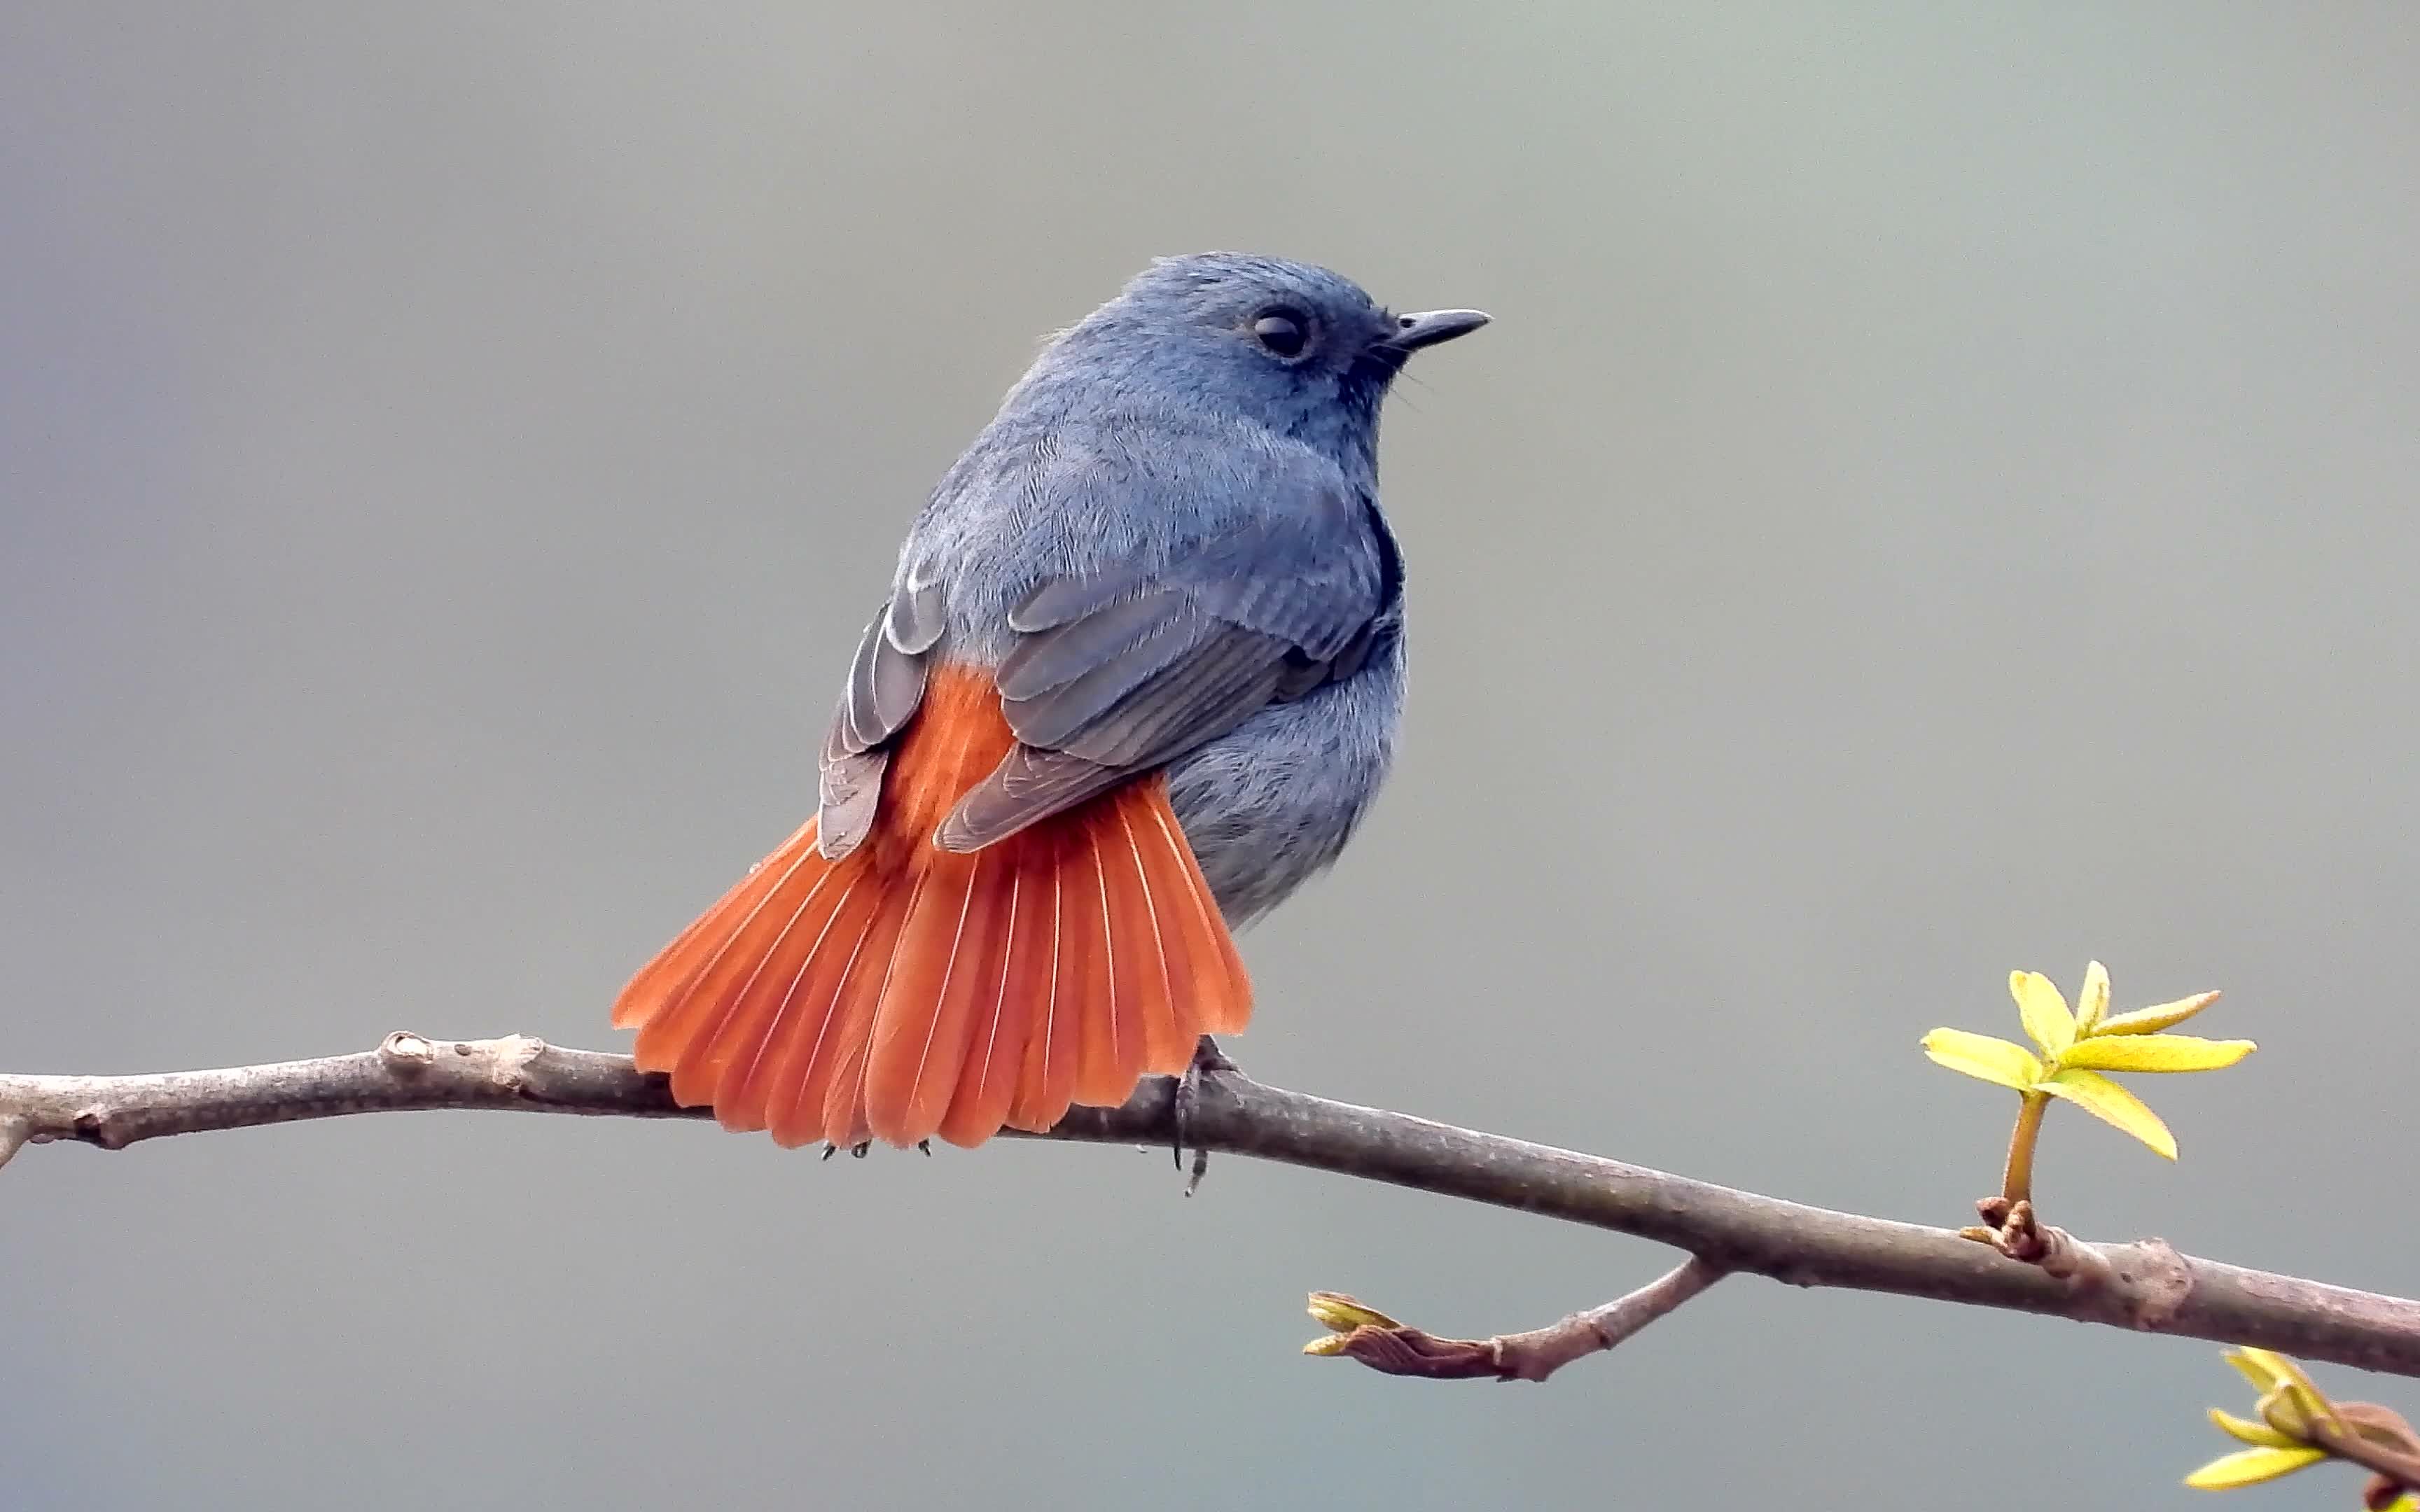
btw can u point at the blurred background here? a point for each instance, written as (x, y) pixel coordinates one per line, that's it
(1939, 488)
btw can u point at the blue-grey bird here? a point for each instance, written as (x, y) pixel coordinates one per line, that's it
(1137, 678)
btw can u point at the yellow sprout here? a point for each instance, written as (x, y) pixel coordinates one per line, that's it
(2072, 1050)
(2298, 1426)
(2250, 1467)
(1344, 1315)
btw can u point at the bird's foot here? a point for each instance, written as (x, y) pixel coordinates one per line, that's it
(1208, 1060)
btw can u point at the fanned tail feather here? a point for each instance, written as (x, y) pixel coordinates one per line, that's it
(1046, 1081)
(906, 992)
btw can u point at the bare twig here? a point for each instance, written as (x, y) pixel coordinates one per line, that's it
(2378, 1439)
(1542, 1352)
(2142, 1284)
(1394, 1349)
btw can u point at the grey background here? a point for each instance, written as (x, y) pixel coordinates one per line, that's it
(1937, 499)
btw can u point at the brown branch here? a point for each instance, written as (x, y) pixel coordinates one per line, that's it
(1542, 1352)
(2143, 1285)
(1396, 1348)
(2379, 1441)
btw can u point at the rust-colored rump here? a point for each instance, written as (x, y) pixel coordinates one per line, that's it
(906, 992)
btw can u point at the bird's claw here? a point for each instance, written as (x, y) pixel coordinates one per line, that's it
(1207, 1060)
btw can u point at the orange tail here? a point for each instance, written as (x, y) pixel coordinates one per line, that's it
(905, 992)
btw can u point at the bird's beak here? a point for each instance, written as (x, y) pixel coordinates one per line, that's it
(1429, 326)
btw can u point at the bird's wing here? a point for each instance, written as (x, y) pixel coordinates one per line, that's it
(885, 682)
(1124, 670)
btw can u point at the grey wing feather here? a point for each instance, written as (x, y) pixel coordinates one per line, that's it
(1042, 662)
(852, 793)
(1279, 576)
(1028, 785)
(1172, 712)
(1058, 715)
(1303, 610)
(1312, 574)
(1063, 599)
(1227, 675)
(1115, 674)
(916, 615)
(886, 684)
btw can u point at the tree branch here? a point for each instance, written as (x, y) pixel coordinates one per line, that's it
(1542, 1352)
(2143, 1285)
(1401, 1349)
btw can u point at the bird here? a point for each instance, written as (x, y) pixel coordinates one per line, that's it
(1137, 678)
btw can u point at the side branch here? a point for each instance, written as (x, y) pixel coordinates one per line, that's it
(2144, 1285)
(1364, 1333)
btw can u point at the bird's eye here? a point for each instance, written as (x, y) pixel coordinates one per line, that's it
(1281, 332)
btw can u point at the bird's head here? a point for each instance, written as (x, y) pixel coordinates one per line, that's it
(1286, 344)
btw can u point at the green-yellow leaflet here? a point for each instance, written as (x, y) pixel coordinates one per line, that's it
(2111, 1104)
(2250, 1467)
(2072, 1049)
